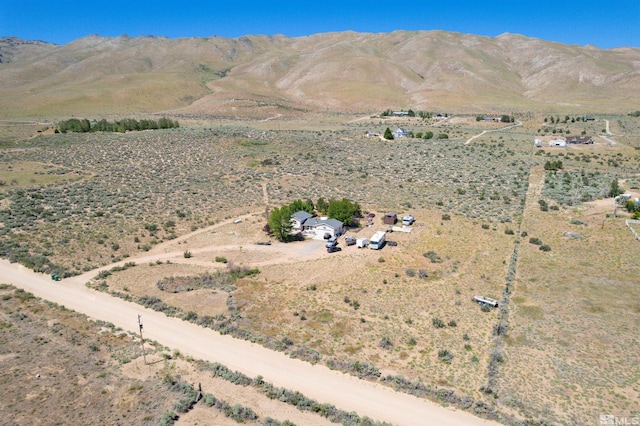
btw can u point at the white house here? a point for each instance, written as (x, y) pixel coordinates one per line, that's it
(400, 133)
(318, 228)
(298, 218)
(558, 142)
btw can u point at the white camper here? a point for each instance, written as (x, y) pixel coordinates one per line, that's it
(377, 240)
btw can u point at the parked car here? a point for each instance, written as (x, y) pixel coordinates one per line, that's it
(333, 249)
(332, 242)
(392, 243)
(350, 241)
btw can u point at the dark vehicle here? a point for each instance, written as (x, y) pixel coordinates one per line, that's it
(392, 243)
(350, 241)
(55, 277)
(333, 249)
(371, 215)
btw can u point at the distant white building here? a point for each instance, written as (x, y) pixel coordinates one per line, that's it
(558, 142)
(400, 133)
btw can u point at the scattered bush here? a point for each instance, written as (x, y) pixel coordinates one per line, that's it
(432, 256)
(536, 241)
(437, 323)
(545, 247)
(360, 369)
(445, 356)
(386, 343)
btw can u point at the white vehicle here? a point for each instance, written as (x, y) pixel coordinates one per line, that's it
(408, 220)
(362, 242)
(377, 240)
(332, 242)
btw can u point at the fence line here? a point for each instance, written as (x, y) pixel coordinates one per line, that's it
(635, 222)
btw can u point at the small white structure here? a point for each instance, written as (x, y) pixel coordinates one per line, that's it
(402, 228)
(558, 142)
(362, 242)
(537, 143)
(400, 133)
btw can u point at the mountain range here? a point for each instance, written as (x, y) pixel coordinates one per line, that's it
(262, 76)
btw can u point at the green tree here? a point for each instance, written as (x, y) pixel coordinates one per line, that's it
(411, 113)
(344, 210)
(299, 205)
(505, 118)
(280, 223)
(616, 189)
(387, 134)
(428, 134)
(322, 205)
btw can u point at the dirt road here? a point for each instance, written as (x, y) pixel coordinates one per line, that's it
(345, 392)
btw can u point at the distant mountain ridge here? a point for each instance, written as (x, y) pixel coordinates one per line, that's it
(259, 76)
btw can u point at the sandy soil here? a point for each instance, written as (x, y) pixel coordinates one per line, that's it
(345, 392)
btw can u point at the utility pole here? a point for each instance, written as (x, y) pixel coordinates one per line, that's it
(142, 340)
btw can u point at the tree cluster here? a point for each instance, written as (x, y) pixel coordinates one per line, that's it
(121, 126)
(279, 224)
(553, 165)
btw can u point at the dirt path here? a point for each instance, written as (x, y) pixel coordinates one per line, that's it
(519, 123)
(346, 392)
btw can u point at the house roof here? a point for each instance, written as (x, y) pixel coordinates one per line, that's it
(578, 139)
(333, 223)
(301, 216)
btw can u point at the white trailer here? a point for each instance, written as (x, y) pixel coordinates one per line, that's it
(362, 242)
(377, 240)
(483, 300)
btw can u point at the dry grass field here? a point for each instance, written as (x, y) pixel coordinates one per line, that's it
(82, 201)
(571, 350)
(53, 358)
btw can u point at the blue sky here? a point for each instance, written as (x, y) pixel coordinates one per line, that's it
(603, 23)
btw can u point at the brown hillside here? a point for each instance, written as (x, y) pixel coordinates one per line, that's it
(257, 76)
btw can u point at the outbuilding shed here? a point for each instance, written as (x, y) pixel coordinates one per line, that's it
(390, 218)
